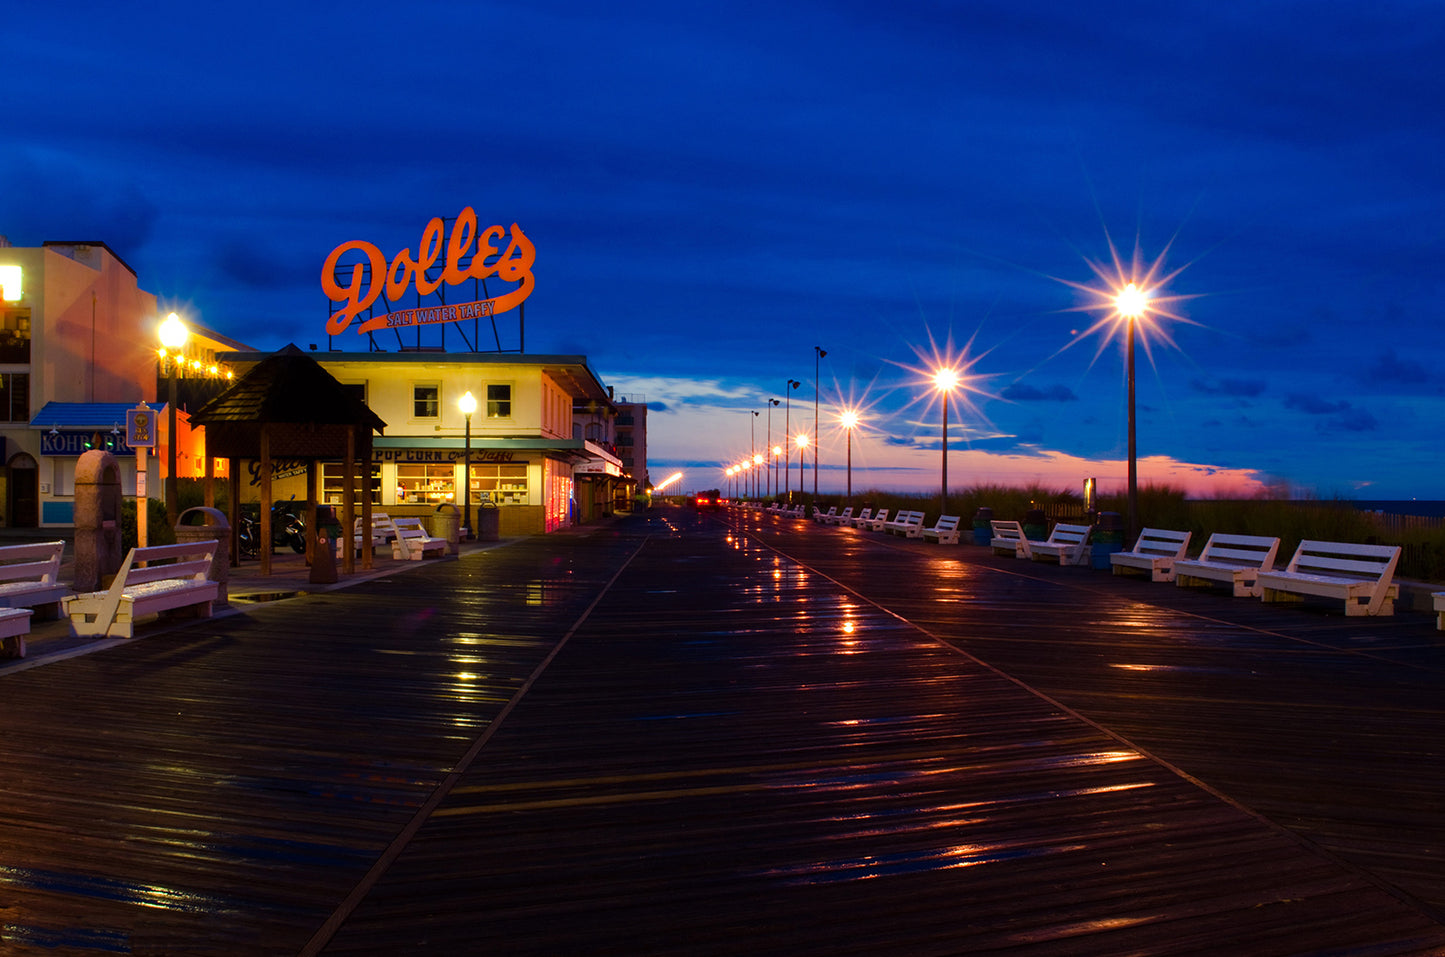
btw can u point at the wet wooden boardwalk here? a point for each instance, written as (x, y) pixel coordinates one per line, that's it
(733, 735)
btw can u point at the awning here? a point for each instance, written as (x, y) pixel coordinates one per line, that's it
(93, 416)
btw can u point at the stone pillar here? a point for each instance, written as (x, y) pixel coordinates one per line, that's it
(98, 550)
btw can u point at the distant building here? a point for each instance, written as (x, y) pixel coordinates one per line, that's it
(632, 438)
(77, 348)
(526, 453)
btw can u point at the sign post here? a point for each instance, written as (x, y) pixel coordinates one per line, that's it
(140, 434)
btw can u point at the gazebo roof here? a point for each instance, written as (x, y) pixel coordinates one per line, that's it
(300, 403)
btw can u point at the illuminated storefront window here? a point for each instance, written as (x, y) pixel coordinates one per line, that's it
(502, 484)
(332, 483)
(428, 484)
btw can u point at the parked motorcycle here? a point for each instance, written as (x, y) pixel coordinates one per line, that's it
(288, 528)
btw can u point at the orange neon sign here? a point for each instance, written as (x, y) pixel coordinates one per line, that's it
(514, 264)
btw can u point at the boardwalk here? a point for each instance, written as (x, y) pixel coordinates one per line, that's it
(733, 735)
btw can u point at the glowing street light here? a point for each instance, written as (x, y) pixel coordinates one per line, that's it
(802, 439)
(173, 335)
(1132, 303)
(787, 427)
(468, 404)
(850, 422)
(945, 381)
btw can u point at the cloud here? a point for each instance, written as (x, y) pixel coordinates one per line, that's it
(1391, 370)
(1342, 416)
(1020, 392)
(658, 407)
(1245, 388)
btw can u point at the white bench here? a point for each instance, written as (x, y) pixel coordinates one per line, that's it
(822, 517)
(876, 523)
(382, 531)
(30, 577)
(1155, 552)
(412, 543)
(844, 517)
(143, 587)
(1439, 599)
(1066, 544)
(14, 626)
(861, 519)
(944, 531)
(1009, 539)
(1234, 560)
(906, 523)
(1360, 575)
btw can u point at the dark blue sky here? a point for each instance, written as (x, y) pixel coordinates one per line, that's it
(714, 192)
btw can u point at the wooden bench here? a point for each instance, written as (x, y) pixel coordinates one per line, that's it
(412, 543)
(1235, 560)
(14, 626)
(844, 517)
(1439, 599)
(944, 531)
(876, 523)
(154, 580)
(1155, 552)
(1360, 575)
(30, 577)
(906, 523)
(1066, 544)
(861, 519)
(1009, 539)
(822, 517)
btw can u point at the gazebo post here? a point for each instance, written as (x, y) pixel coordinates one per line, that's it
(348, 503)
(265, 543)
(312, 530)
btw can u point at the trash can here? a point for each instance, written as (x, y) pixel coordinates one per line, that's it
(489, 522)
(446, 523)
(1108, 539)
(1035, 525)
(982, 527)
(202, 524)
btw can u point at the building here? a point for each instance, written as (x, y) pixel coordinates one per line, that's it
(525, 452)
(632, 438)
(77, 348)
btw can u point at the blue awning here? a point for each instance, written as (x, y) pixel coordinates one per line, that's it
(83, 415)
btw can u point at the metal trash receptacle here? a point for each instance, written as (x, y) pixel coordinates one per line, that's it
(983, 526)
(489, 523)
(446, 522)
(1108, 538)
(202, 524)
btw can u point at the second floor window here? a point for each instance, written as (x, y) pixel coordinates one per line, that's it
(15, 397)
(499, 401)
(425, 401)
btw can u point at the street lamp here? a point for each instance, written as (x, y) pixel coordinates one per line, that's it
(772, 472)
(802, 440)
(818, 353)
(173, 334)
(945, 380)
(777, 451)
(787, 427)
(850, 422)
(757, 472)
(753, 445)
(1132, 303)
(468, 404)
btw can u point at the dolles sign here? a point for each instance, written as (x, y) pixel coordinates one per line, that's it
(512, 264)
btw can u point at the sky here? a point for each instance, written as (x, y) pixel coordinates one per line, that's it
(715, 192)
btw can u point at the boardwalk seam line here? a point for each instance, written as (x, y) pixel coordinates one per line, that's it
(328, 930)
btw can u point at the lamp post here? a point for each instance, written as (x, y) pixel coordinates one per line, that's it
(818, 353)
(850, 422)
(945, 380)
(777, 451)
(173, 335)
(753, 446)
(787, 427)
(802, 441)
(1132, 303)
(468, 404)
(772, 471)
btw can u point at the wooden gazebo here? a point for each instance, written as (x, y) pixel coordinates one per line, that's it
(289, 408)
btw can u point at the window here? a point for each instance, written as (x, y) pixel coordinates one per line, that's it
(502, 484)
(499, 401)
(426, 401)
(357, 390)
(15, 335)
(15, 397)
(332, 483)
(427, 484)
